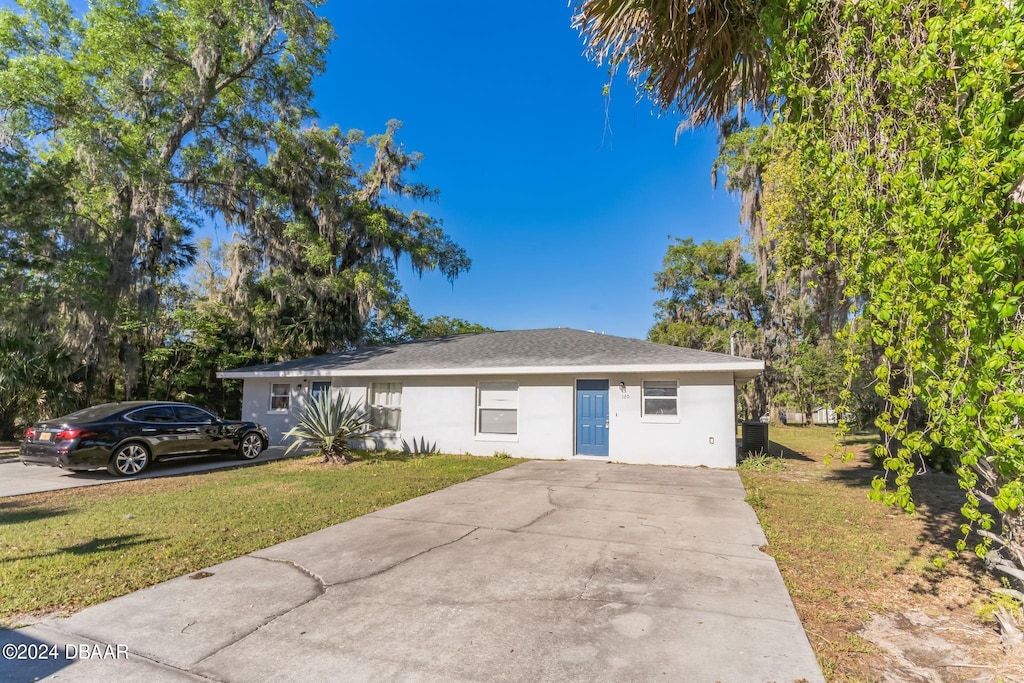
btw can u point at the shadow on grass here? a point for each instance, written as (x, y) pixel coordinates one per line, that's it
(107, 544)
(779, 451)
(938, 499)
(13, 512)
(861, 440)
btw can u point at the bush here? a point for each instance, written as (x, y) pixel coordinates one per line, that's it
(761, 462)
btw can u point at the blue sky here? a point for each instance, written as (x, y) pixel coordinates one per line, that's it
(563, 200)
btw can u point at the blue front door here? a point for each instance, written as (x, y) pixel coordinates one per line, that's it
(592, 417)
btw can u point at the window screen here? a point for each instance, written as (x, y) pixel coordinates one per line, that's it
(498, 408)
(279, 396)
(386, 405)
(661, 398)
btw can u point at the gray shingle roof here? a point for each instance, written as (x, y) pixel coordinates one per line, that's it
(533, 351)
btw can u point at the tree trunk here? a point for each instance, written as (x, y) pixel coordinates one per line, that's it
(7, 425)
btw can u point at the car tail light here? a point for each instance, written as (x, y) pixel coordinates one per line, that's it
(69, 434)
(30, 433)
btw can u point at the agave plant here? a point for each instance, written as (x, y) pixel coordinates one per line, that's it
(328, 424)
(419, 446)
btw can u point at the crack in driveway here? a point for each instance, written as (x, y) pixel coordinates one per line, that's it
(555, 507)
(403, 561)
(322, 589)
(296, 565)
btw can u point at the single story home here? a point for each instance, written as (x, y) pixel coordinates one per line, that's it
(550, 393)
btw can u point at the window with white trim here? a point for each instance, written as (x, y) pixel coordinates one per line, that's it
(661, 398)
(386, 405)
(280, 396)
(498, 408)
(318, 388)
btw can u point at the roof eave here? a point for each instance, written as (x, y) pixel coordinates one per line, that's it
(746, 368)
(741, 377)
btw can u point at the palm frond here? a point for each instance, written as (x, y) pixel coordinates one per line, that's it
(706, 57)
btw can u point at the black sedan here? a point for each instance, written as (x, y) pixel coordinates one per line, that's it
(126, 437)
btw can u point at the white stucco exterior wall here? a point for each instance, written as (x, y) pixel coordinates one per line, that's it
(703, 434)
(256, 406)
(442, 411)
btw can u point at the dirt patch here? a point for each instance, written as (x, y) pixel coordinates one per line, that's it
(308, 463)
(930, 649)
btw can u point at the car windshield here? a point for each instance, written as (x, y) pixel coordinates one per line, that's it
(90, 414)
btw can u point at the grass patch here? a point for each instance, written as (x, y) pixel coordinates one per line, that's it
(65, 550)
(845, 558)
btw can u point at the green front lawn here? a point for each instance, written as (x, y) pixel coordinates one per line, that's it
(65, 550)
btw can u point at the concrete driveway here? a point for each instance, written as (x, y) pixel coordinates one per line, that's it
(548, 571)
(17, 479)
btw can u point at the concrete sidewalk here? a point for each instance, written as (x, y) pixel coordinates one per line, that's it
(548, 571)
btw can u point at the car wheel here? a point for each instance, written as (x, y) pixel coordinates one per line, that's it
(129, 460)
(250, 446)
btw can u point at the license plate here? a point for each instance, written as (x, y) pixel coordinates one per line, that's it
(45, 436)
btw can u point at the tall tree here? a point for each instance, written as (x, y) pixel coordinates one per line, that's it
(445, 326)
(38, 278)
(399, 323)
(713, 301)
(133, 98)
(710, 291)
(320, 237)
(125, 126)
(915, 142)
(806, 303)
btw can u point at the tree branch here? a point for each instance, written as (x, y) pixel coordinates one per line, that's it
(1008, 569)
(210, 89)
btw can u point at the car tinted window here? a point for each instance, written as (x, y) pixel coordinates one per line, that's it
(191, 414)
(154, 414)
